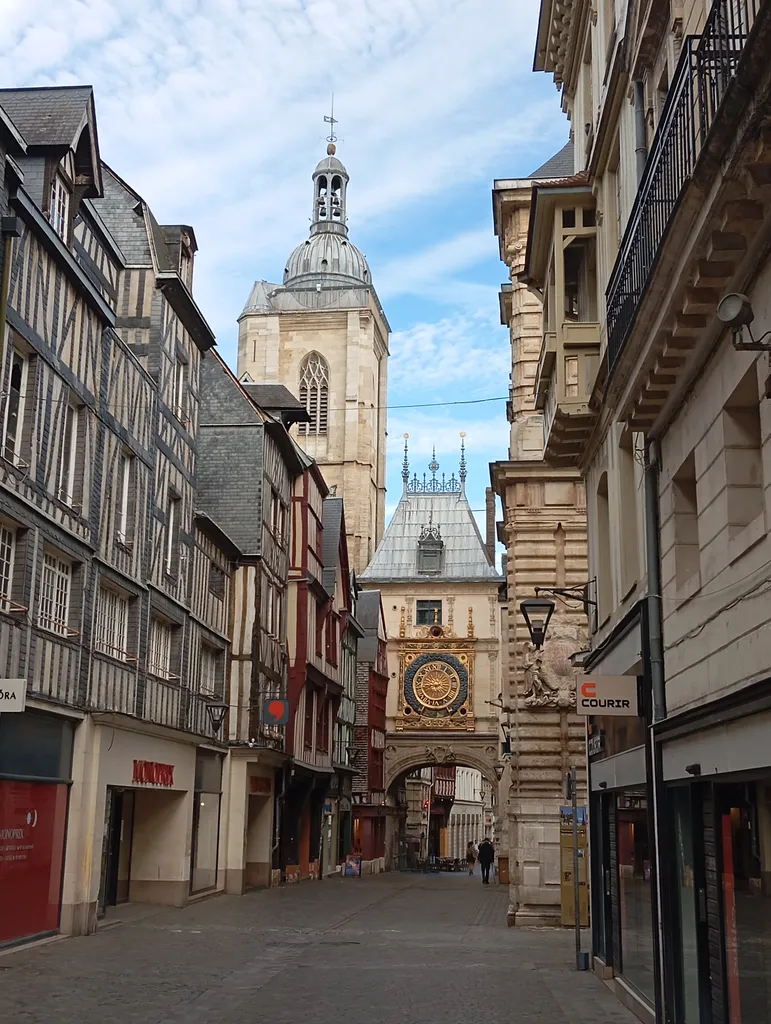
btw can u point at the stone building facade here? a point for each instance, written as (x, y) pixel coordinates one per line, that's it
(440, 595)
(323, 333)
(670, 105)
(544, 531)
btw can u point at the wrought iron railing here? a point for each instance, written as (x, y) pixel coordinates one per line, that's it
(704, 72)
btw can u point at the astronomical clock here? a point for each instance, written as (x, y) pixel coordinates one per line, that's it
(436, 671)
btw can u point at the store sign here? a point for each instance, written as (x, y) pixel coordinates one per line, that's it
(596, 743)
(259, 785)
(32, 822)
(607, 695)
(153, 773)
(13, 695)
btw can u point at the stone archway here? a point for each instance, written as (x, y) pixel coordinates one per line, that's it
(404, 755)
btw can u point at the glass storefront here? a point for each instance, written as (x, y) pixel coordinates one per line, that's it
(206, 821)
(35, 764)
(635, 890)
(745, 847)
(685, 825)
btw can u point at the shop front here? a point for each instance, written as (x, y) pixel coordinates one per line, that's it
(35, 777)
(156, 822)
(622, 858)
(716, 766)
(369, 834)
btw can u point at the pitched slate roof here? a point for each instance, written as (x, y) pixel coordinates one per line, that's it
(277, 400)
(463, 555)
(332, 524)
(48, 116)
(260, 300)
(558, 166)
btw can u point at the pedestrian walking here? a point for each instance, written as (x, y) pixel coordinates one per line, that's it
(486, 857)
(471, 857)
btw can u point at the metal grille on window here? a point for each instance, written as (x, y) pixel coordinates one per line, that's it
(159, 662)
(111, 624)
(7, 539)
(314, 393)
(55, 595)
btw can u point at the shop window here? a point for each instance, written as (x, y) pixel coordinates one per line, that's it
(742, 450)
(428, 613)
(55, 585)
(686, 513)
(635, 894)
(206, 817)
(112, 621)
(603, 564)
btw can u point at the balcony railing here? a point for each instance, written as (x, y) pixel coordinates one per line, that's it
(704, 72)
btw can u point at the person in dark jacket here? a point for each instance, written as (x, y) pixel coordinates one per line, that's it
(486, 856)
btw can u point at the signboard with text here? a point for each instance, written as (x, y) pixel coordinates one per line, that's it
(607, 695)
(13, 695)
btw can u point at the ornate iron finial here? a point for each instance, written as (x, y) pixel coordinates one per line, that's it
(462, 473)
(406, 465)
(331, 120)
(433, 464)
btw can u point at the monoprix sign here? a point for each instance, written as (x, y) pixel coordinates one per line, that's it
(607, 695)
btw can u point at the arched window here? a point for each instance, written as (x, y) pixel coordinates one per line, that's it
(314, 392)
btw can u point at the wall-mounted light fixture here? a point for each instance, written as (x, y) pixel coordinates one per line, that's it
(735, 311)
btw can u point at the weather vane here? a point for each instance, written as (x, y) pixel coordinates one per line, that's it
(331, 120)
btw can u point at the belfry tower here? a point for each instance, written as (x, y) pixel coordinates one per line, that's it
(322, 333)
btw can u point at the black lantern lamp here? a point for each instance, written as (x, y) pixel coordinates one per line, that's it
(217, 713)
(499, 771)
(537, 611)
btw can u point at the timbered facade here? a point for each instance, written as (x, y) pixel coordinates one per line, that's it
(114, 592)
(320, 611)
(247, 463)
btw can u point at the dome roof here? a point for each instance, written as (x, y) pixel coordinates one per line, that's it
(331, 165)
(327, 254)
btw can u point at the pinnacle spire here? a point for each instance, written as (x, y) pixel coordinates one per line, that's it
(405, 467)
(462, 471)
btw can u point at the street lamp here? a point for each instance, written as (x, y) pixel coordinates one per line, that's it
(499, 771)
(216, 712)
(537, 612)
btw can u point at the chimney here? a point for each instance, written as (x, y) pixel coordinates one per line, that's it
(490, 524)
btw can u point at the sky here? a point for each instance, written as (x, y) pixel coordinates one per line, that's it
(213, 111)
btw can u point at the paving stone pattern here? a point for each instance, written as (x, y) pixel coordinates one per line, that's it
(377, 950)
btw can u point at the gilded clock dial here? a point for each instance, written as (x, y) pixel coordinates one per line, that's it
(436, 684)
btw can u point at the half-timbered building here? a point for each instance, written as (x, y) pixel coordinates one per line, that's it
(320, 609)
(247, 464)
(114, 592)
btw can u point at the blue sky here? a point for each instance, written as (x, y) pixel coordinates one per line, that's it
(213, 110)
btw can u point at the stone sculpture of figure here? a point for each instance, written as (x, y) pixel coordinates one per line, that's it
(539, 689)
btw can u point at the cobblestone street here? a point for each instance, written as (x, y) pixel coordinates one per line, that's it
(382, 949)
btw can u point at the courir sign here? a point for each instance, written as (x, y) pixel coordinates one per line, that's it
(607, 695)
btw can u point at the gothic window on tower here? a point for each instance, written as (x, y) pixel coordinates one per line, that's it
(314, 393)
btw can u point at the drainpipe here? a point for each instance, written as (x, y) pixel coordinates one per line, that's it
(653, 566)
(640, 132)
(651, 460)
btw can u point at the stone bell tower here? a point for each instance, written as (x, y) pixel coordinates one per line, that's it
(323, 334)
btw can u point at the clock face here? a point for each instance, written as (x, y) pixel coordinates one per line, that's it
(435, 686)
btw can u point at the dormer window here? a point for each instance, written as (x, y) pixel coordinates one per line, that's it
(430, 546)
(59, 210)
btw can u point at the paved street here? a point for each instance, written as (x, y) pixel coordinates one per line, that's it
(381, 950)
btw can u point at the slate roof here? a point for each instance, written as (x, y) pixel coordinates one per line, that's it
(463, 556)
(277, 400)
(558, 166)
(48, 116)
(259, 300)
(332, 524)
(368, 614)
